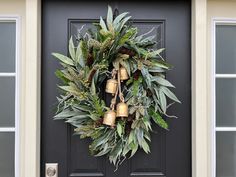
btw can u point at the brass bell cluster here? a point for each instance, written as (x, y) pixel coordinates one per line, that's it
(122, 110)
(113, 86)
(123, 74)
(110, 118)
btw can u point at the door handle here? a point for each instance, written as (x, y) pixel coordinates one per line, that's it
(51, 170)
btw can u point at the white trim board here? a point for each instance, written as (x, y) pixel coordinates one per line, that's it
(16, 74)
(226, 76)
(225, 129)
(214, 76)
(7, 129)
(7, 74)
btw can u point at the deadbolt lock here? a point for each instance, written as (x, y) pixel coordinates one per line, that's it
(51, 170)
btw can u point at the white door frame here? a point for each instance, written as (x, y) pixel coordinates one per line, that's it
(31, 162)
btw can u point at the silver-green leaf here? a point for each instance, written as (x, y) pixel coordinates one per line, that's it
(162, 81)
(169, 94)
(63, 59)
(102, 24)
(118, 19)
(119, 129)
(109, 17)
(72, 48)
(163, 103)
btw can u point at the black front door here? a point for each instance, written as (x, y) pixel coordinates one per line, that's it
(170, 150)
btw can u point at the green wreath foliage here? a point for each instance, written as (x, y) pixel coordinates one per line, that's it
(113, 43)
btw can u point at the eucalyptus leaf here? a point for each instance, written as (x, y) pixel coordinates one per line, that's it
(79, 55)
(116, 151)
(163, 103)
(147, 39)
(131, 137)
(63, 59)
(139, 135)
(118, 19)
(145, 146)
(156, 69)
(119, 129)
(109, 17)
(162, 81)
(65, 114)
(123, 22)
(126, 149)
(72, 48)
(69, 89)
(129, 34)
(80, 115)
(104, 151)
(103, 25)
(170, 94)
(161, 64)
(154, 53)
(83, 108)
(158, 119)
(61, 76)
(134, 150)
(140, 37)
(147, 77)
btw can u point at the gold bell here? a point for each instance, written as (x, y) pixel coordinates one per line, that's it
(122, 110)
(123, 74)
(110, 118)
(111, 86)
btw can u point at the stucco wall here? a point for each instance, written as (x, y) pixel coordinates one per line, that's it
(17, 8)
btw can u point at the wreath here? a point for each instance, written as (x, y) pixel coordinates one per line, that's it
(115, 58)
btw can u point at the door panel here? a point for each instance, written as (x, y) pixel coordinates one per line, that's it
(170, 151)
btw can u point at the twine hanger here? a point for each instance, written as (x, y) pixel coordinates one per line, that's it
(113, 100)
